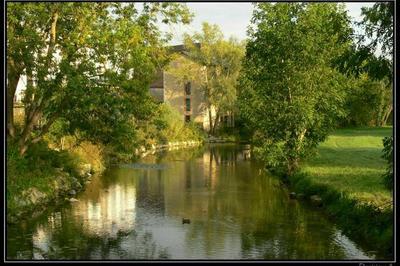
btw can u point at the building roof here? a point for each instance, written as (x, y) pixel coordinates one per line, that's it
(180, 48)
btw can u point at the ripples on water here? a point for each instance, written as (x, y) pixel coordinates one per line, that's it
(135, 211)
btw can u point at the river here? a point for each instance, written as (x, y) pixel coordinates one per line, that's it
(135, 211)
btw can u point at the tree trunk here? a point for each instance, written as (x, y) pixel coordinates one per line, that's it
(294, 146)
(23, 142)
(46, 127)
(35, 110)
(215, 122)
(379, 116)
(208, 101)
(62, 143)
(210, 120)
(383, 108)
(387, 115)
(53, 31)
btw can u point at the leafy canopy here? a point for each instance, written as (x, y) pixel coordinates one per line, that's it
(290, 94)
(214, 63)
(87, 63)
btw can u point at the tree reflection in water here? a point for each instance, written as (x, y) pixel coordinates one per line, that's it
(236, 210)
(73, 242)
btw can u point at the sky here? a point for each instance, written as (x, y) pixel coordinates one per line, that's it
(233, 18)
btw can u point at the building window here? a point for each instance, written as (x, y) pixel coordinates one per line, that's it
(188, 88)
(187, 118)
(188, 104)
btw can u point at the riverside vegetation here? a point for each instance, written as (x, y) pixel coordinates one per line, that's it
(54, 169)
(293, 114)
(91, 115)
(347, 173)
(316, 107)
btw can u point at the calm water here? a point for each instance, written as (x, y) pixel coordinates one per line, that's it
(135, 211)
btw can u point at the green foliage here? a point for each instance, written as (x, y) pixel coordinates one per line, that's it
(87, 63)
(388, 156)
(290, 94)
(368, 102)
(359, 60)
(213, 63)
(242, 127)
(378, 23)
(57, 131)
(364, 57)
(274, 155)
(371, 70)
(37, 169)
(41, 157)
(231, 134)
(167, 125)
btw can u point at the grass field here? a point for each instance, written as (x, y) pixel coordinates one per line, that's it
(350, 160)
(347, 173)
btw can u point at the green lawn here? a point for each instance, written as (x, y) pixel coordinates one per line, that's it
(350, 160)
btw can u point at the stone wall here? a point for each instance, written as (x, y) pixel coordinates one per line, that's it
(142, 151)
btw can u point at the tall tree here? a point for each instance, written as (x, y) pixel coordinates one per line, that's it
(378, 23)
(89, 63)
(373, 57)
(214, 63)
(289, 91)
(368, 102)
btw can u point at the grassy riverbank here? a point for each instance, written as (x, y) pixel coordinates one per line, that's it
(347, 174)
(350, 161)
(44, 176)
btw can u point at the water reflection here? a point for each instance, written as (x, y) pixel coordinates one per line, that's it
(108, 212)
(236, 212)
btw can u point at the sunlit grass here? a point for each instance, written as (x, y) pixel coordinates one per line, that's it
(350, 160)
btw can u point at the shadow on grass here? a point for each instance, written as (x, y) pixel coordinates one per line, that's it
(348, 157)
(364, 132)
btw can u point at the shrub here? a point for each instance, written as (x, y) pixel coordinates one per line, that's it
(367, 103)
(89, 153)
(36, 169)
(169, 126)
(388, 155)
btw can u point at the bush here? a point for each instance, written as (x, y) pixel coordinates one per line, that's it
(366, 103)
(388, 155)
(168, 126)
(40, 157)
(244, 131)
(35, 170)
(89, 153)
